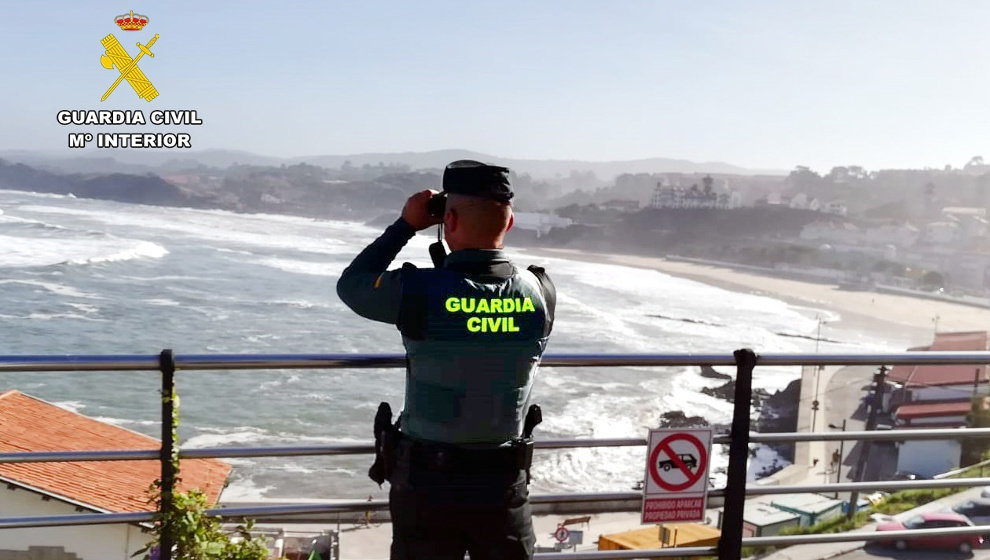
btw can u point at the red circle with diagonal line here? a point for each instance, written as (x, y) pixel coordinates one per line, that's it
(664, 446)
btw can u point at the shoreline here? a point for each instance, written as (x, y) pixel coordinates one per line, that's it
(906, 319)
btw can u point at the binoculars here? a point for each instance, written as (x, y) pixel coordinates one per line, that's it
(437, 205)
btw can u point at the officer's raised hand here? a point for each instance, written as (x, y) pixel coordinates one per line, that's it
(415, 213)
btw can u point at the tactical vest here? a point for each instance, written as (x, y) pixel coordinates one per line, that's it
(472, 347)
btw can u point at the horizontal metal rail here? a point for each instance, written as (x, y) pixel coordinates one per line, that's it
(868, 536)
(876, 536)
(365, 448)
(536, 499)
(894, 485)
(879, 435)
(650, 553)
(337, 361)
(360, 505)
(280, 510)
(80, 363)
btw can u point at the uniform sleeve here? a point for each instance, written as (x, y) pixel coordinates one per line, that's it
(367, 286)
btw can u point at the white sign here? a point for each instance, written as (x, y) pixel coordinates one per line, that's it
(676, 486)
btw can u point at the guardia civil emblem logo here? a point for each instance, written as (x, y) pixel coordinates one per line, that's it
(127, 67)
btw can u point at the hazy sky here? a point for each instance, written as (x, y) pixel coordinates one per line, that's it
(768, 84)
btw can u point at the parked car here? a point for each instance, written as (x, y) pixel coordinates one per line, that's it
(977, 510)
(877, 498)
(986, 492)
(962, 543)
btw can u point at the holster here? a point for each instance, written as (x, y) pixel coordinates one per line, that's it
(525, 443)
(386, 439)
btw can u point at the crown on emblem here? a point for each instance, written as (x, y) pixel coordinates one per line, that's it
(131, 22)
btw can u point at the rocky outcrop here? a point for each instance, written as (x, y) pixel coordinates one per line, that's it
(779, 414)
(677, 419)
(711, 373)
(727, 392)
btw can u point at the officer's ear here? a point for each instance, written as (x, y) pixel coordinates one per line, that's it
(512, 220)
(450, 220)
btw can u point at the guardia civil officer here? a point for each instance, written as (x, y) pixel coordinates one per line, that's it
(474, 329)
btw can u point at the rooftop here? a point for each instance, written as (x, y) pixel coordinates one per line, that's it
(808, 503)
(28, 424)
(926, 376)
(762, 514)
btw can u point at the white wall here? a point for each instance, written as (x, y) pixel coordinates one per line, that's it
(928, 458)
(947, 392)
(541, 223)
(89, 542)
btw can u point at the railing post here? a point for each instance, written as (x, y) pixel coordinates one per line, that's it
(166, 363)
(730, 543)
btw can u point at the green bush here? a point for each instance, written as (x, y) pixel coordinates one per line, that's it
(197, 536)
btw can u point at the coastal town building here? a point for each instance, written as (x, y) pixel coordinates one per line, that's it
(28, 424)
(621, 205)
(832, 232)
(898, 234)
(925, 396)
(538, 222)
(800, 201)
(837, 207)
(695, 196)
(972, 221)
(763, 520)
(812, 508)
(947, 232)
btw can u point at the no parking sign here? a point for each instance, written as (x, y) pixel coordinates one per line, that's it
(676, 486)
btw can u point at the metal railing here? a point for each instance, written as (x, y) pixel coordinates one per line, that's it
(738, 439)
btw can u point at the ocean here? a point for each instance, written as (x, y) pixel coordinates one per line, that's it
(95, 277)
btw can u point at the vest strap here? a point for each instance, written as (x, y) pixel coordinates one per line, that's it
(549, 294)
(412, 313)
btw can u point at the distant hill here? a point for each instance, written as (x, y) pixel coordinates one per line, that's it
(539, 168)
(136, 161)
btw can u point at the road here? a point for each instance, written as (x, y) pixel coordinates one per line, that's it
(843, 399)
(874, 552)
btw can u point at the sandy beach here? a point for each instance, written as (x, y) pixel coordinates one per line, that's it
(913, 319)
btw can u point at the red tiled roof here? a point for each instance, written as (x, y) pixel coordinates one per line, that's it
(30, 424)
(927, 410)
(923, 376)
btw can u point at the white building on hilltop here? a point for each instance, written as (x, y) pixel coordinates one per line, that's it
(539, 222)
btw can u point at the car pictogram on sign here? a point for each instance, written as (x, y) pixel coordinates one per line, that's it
(689, 461)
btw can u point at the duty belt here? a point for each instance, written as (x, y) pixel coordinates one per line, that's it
(518, 454)
(460, 459)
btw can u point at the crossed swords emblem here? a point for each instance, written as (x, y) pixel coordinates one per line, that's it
(117, 56)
